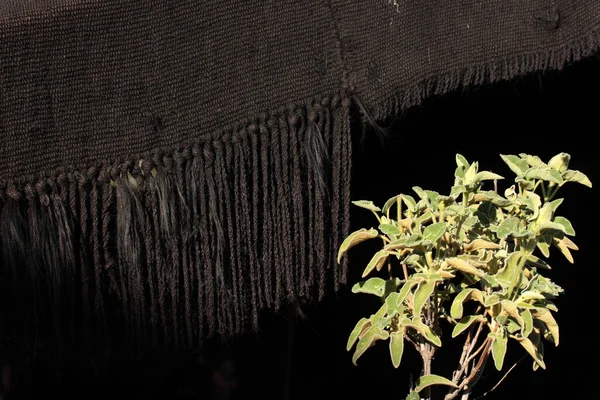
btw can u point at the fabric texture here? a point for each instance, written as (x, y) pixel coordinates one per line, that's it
(170, 169)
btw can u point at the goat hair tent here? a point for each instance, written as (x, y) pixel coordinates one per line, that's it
(169, 169)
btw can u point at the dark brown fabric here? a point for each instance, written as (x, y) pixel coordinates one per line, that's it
(169, 169)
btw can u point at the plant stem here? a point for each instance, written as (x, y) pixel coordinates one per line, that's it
(426, 349)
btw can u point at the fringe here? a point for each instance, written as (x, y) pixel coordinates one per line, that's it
(172, 248)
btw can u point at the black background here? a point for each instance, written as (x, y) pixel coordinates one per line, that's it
(302, 355)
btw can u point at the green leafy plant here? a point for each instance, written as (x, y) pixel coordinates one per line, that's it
(470, 262)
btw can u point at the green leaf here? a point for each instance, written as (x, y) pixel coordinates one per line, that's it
(360, 326)
(551, 229)
(564, 248)
(465, 323)
(433, 198)
(428, 380)
(486, 176)
(470, 173)
(493, 198)
(434, 231)
(423, 330)
(371, 335)
(422, 294)
(527, 323)
(578, 177)
(355, 238)
(410, 202)
(560, 162)
(537, 262)
(555, 203)
(461, 161)
(516, 164)
(376, 262)
(512, 270)
(390, 203)
(533, 161)
(406, 288)
(486, 212)
(456, 310)
(393, 305)
(491, 300)
(499, 346)
(389, 230)
(413, 396)
(508, 227)
(464, 267)
(531, 295)
(524, 183)
(367, 205)
(478, 244)
(544, 248)
(420, 192)
(413, 240)
(566, 224)
(532, 348)
(396, 348)
(544, 173)
(547, 318)
(536, 202)
(370, 286)
(457, 190)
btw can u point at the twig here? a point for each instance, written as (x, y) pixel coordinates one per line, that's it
(405, 272)
(472, 356)
(501, 380)
(464, 365)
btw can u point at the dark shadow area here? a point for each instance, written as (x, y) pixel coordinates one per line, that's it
(300, 353)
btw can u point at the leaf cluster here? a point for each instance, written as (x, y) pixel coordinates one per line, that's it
(471, 257)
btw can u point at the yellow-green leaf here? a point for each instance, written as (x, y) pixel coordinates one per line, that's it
(406, 288)
(367, 205)
(413, 396)
(464, 266)
(429, 380)
(516, 164)
(512, 270)
(544, 248)
(465, 323)
(390, 203)
(422, 294)
(456, 310)
(532, 348)
(390, 230)
(372, 335)
(376, 262)
(533, 161)
(355, 238)
(491, 300)
(578, 177)
(479, 244)
(527, 323)
(486, 176)
(512, 310)
(423, 330)
(396, 348)
(547, 318)
(434, 231)
(568, 228)
(560, 244)
(560, 162)
(370, 286)
(360, 326)
(499, 346)
(544, 173)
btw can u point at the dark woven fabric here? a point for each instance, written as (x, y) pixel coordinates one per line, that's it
(169, 169)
